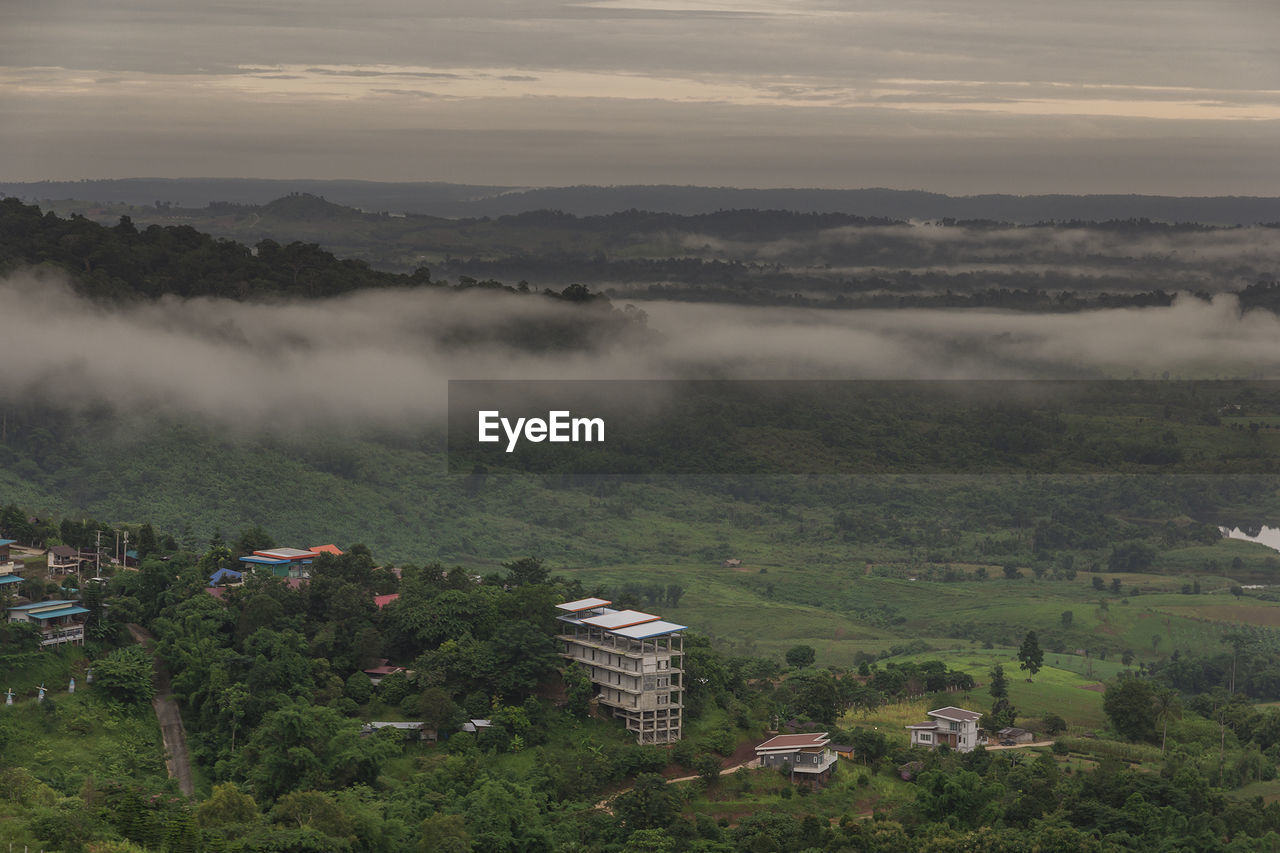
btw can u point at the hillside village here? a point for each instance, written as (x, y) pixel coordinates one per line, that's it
(388, 676)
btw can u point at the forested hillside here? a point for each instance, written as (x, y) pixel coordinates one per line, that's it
(745, 256)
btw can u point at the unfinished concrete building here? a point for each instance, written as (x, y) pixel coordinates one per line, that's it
(634, 660)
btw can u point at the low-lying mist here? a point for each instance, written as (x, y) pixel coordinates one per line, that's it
(383, 358)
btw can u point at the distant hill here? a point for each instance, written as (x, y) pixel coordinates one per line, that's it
(464, 200)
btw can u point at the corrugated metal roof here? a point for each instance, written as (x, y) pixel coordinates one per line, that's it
(619, 619)
(53, 614)
(326, 549)
(265, 561)
(583, 604)
(10, 579)
(35, 604)
(4, 542)
(285, 553)
(646, 630)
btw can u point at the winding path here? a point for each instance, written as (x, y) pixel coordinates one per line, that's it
(176, 758)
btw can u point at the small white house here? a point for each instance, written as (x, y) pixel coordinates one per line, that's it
(954, 727)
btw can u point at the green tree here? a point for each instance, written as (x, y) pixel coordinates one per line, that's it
(444, 833)
(147, 543)
(125, 675)
(359, 688)
(526, 571)
(649, 804)
(650, 841)
(1030, 654)
(506, 817)
(578, 689)
(1003, 714)
(707, 765)
(312, 809)
(252, 539)
(962, 797)
(801, 656)
(304, 746)
(227, 804)
(1129, 702)
(1167, 706)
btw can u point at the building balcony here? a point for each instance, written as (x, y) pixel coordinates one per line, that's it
(55, 636)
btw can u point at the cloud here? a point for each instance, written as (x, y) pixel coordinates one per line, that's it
(383, 358)
(1155, 80)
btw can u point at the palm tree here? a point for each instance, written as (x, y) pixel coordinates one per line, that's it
(1167, 705)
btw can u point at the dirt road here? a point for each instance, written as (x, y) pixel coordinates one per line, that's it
(176, 758)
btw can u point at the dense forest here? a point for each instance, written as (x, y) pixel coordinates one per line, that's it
(747, 256)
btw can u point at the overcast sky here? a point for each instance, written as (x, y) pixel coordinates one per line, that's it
(1151, 96)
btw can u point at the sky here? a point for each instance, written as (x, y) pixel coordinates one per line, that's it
(1092, 96)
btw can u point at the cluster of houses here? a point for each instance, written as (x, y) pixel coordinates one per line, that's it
(58, 621)
(633, 660)
(292, 564)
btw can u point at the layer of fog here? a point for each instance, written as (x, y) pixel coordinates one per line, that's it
(384, 357)
(1063, 249)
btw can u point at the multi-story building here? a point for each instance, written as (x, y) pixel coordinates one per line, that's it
(954, 727)
(634, 660)
(58, 621)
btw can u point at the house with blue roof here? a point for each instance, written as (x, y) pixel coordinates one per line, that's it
(59, 621)
(229, 576)
(9, 567)
(8, 563)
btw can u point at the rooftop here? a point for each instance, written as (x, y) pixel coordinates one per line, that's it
(619, 619)
(54, 614)
(583, 604)
(285, 553)
(265, 561)
(645, 630)
(39, 605)
(326, 549)
(959, 715)
(632, 624)
(791, 742)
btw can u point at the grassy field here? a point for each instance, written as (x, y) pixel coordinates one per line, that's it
(1056, 689)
